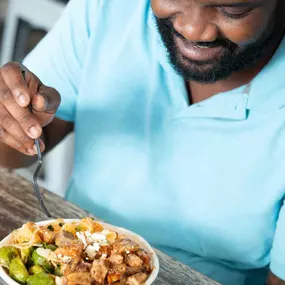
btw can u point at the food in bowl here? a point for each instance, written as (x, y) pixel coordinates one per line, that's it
(73, 252)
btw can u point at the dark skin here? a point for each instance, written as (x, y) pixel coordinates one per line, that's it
(17, 148)
(197, 20)
(203, 21)
(240, 21)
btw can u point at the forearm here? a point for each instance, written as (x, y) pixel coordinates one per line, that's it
(274, 280)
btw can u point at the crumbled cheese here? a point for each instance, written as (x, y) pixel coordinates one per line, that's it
(43, 252)
(127, 252)
(91, 250)
(82, 237)
(105, 232)
(66, 259)
(63, 258)
(104, 255)
(98, 237)
(96, 246)
(59, 280)
(46, 253)
(88, 239)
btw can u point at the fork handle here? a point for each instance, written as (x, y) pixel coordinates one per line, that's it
(37, 142)
(36, 174)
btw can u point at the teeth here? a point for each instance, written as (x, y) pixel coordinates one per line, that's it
(201, 46)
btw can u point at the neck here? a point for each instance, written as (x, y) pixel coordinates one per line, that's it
(200, 92)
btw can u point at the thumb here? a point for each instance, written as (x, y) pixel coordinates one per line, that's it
(46, 100)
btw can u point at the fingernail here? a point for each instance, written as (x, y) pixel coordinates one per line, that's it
(35, 149)
(22, 99)
(35, 132)
(40, 102)
(42, 145)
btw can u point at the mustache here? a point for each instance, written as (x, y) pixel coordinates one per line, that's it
(166, 27)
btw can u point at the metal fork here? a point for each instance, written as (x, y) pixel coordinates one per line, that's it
(37, 171)
(36, 175)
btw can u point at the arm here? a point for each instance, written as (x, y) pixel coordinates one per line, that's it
(58, 61)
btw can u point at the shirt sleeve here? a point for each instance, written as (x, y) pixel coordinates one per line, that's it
(277, 265)
(58, 60)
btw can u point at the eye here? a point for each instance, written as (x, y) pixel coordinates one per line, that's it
(234, 12)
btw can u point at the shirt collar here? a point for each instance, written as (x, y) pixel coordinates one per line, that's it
(268, 87)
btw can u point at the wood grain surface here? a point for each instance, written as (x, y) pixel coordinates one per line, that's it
(19, 205)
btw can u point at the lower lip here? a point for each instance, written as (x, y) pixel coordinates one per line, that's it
(197, 53)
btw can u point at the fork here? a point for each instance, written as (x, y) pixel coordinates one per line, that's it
(37, 171)
(36, 175)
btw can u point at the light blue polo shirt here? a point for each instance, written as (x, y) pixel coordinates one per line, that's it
(204, 183)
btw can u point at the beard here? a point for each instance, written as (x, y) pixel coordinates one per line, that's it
(234, 58)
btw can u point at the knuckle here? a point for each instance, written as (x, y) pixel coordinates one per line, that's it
(10, 66)
(2, 132)
(17, 145)
(21, 148)
(25, 118)
(6, 120)
(18, 87)
(24, 139)
(53, 90)
(5, 94)
(57, 96)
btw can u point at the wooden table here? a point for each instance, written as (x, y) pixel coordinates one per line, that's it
(18, 205)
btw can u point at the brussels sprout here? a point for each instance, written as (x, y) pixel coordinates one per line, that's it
(25, 254)
(50, 227)
(35, 269)
(18, 270)
(41, 279)
(57, 271)
(52, 247)
(39, 260)
(7, 253)
(79, 228)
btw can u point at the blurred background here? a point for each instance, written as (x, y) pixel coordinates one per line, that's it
(23, 23)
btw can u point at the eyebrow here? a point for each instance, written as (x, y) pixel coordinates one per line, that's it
(248, 3)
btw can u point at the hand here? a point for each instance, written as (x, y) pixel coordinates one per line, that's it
(19, 126)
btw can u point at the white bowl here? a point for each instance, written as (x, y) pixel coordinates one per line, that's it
(136, 238)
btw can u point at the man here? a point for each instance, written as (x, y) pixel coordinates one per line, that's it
(178, 112)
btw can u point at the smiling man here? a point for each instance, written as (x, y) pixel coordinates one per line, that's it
(179, 119)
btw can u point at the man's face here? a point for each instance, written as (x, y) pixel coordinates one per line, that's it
(208, 40)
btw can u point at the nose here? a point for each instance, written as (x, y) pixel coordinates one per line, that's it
(195, 27)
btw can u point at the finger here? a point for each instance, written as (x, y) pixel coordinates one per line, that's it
(12, 75)
(9, 140)
(42, 147)
(24, 116)
(12, 127)
(47, 100)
